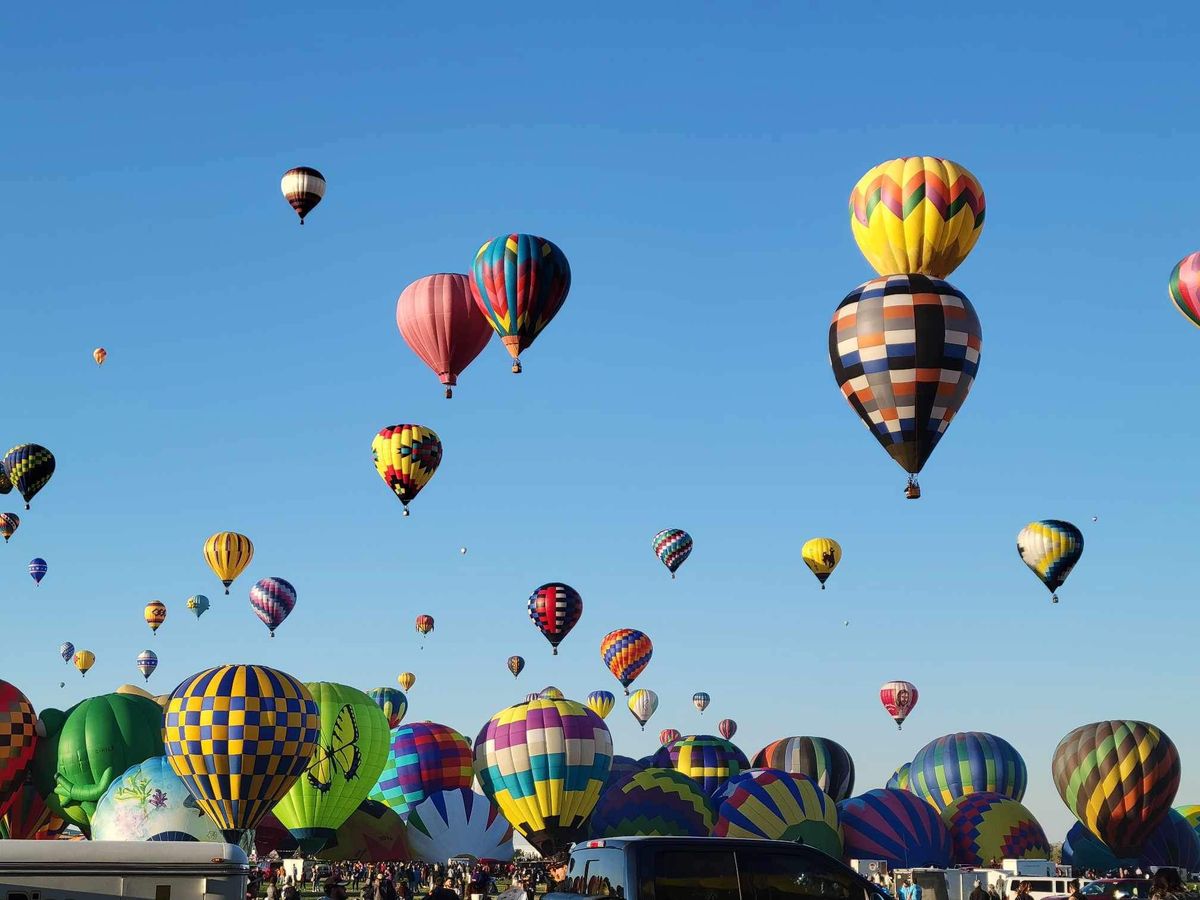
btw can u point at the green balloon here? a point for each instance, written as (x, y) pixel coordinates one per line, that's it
(89, 746)
(351, 750)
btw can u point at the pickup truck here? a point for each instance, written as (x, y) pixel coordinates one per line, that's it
(678, 868)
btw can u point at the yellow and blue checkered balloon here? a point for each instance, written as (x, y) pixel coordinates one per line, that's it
(239, 737)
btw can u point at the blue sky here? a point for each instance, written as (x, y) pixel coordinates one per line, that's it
(694, 164)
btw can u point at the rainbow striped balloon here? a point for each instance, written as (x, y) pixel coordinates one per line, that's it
(1184, 287)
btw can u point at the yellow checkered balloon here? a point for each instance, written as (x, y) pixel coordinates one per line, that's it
(239, 737)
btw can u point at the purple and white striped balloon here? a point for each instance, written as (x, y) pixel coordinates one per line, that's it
(272, 600)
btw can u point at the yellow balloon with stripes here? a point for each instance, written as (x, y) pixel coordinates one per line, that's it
(227, 554)
(822, 556)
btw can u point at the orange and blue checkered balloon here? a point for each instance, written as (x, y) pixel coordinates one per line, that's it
(18, 738)
(239, 736)
(672, 546)
(626, 652)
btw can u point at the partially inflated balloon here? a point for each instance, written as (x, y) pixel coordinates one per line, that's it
(626, 652)
(824, 760)
(1119, 778)
(227, 554)
(643, 703)
(352, 745)
(776, 806)
(966, 763)
(1050, 548)
(601, 703)
(198, 605)
(672, 546)
(155, 614)
(406, 680)
(84, 660)
(710, 760)
(516, 664)
(18, 725)
(905, 351)
(147, 662)
(821, 555)
(9, 522)
(700, 700)
(423, 758)
(1184, 287)
(206, 716)
(667, 735)
(544, 764)
(899, 779)
(303, 188)
(554, 609)
(897, 827)
(519, 282)
(916, 215)
(272, 600)
(29, 467)
(986, 826)
(653, 803)
(406, 457)
(898, 698)
(149, 802)
(458, 822)
(373, 833)
(393, 703)
(442, 324)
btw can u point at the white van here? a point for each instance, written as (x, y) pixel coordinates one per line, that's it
(98, 870)
(1041, 887)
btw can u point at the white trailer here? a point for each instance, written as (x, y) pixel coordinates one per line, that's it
(99, 870)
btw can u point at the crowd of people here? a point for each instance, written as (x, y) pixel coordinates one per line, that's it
(404, 881)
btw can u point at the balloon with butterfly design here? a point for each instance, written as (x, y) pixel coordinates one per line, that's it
(352, 747)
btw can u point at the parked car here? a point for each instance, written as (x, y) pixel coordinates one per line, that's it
(1113, 889)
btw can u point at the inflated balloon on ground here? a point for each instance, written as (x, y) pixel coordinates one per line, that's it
(652, 802)
(423, 758)
(452, 823)
(955, 765)
(986, 826)
(822, 759)
(777, 806)
(710, 760)
(149, 802)
(897, 827)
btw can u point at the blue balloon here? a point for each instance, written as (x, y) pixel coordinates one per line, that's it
(897, 826)
(1082, 850)
(1172, 843)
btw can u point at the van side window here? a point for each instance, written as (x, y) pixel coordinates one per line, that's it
(695, 874)
(775, 875)
(600, 874)
(17, 895)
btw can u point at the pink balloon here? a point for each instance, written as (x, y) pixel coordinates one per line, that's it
(728, 728)
(441, 322)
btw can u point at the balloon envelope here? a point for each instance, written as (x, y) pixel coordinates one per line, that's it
(227, 554)
(672, 546)
(899, 779)
(601, 703)
(457, 822)
(149, 802)
(822, 556)
(555, 608)
(303, 188)
(373, 833)
(823, 760)
(197, 605)
(777, 806)
(406, 458)
(898, 698)
(516, 664)
(897, 827)
(710, 760)
(18, 725)
(1050, 548)
(393, 703)
(626, 652)
(653, 802)
(1173, 843)
(441, 323)
(986, 826)
(29, 467)
(1082, 850)
(967, 763)
(423, 758)
(1183, 287)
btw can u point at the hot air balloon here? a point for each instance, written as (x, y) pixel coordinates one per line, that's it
(986, 826)
(406, 456)
(302, 187)
(653, 802)
(900, 778)
(626, 652)
(424, 758)
(29, 467)
(1119, 778)
(916, 215)
(700, 700)
(544, 764)
(352, 746)
(155, 614)
(551, 693)
(533, 695)
(18, 724)
(821, 555)
(519, 282)
(623, 766)
(29, 818)
(406, 680)
(9, 523)
(906, 371)
(601, 703)
(667, 735)
(710, 760)
(241, 700)
(898, 698)
(1082, 850)
(456, 823)
(84, 660)
(198, 604)
(966, 763)
(643, 703)
(87, 747)
(38, 570)
(67, 651)
(373, 832)
(424, 625)
(149, 802)
(147, 662)
(554, 609)
(1172, 843)
(672, 546)
(728, 728)
(272, 599)
(1050, 548)
(5, 484)
(823, 760)
(393, 703)
(897, 827)
(778, 806)
(99, 355)
(1184, 287)
(441, 323)
(227, 554)
(1191, 812)
(516, 664)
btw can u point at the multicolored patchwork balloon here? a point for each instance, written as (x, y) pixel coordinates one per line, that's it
(272, 600)
(896, 826)
(822, 556)
(899, 699)
(29, 467)
(667, 735)
(393, 703)
(643, 703)
(777, 806)
(1050, 548)
(18, 725)
(1184, 287)
(823, 760)
(672, 546)
(653, 803)
(406, 458)
(626, 652)
(554, 609)
(544, 764)
(899, 779)
(1119, 778)
(601, 703)
(441, 323)
(710, 760)
(235, 781)
(905, 351)
(1082, 850)
(519, 282)
(955, 765)
(424, 758)
(917, 214)
(986, 826)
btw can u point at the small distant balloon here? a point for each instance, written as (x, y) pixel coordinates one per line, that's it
(37, 570)
(516, 664)
(9, 522)
(155, 614)
(147, 662)
(198, 605)
(643, 703)
(29, 468)
(84, 660)
(700, 700)
(272, 600)
(406, 680)
(303, 187)
(1095, 518)
(424, 624)
(728, 728)
(462, 550)
(99, 355)
(67, 651)
(672, 546)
